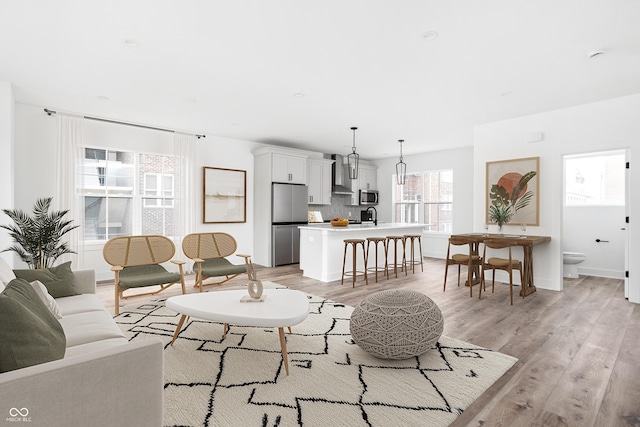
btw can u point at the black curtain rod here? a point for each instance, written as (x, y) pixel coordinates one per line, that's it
(50, 112)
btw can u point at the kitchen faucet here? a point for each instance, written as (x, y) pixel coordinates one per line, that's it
(375, 217)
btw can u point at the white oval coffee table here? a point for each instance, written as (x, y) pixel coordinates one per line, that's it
(281, 308)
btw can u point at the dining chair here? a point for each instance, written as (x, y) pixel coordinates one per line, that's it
(469, 258)
(496, 263)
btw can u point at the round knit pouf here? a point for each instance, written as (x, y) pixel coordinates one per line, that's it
(396, 324)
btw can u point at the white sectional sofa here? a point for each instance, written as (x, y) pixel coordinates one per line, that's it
(103, 379)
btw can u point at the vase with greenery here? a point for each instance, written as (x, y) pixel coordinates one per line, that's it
(38, 238)
(500, 214)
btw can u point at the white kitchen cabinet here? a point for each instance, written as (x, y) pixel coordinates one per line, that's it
(368, 178)
(319, 181)
(289, 169)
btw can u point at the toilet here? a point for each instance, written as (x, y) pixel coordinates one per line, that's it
(570, 261)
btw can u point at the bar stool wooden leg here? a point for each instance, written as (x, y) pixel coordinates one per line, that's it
(344, 261)
(396, 240)
(375, 268)
(354, 250)
(412, 238)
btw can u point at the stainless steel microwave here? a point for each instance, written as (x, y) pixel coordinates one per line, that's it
(368, 197)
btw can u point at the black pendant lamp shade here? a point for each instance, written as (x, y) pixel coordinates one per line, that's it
(354, 158)
(401, 167)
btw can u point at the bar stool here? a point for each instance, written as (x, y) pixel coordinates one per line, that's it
(354, 245)
(375, 241)
(396, 240)
(412, 261)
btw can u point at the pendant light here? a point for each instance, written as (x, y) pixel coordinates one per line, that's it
(401, 167)
(353, 158)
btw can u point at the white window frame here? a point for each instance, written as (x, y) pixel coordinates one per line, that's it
(160, 197)
(137, 196)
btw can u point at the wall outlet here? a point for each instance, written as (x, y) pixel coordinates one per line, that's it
(349, 214)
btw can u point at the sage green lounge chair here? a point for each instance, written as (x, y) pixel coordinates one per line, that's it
(136, 262)
(208, 252)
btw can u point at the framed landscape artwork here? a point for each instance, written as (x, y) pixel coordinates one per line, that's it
(225, 195)
(513, 188)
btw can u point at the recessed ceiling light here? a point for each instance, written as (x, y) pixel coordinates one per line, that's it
(103, 98)
(131, 42)
(298, 95)
(429, 35)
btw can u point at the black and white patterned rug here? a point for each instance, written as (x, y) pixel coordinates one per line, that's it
(240, 381)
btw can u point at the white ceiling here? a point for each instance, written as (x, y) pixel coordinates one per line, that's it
(233, 68)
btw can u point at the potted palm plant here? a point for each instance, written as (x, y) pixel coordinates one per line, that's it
(38, 238)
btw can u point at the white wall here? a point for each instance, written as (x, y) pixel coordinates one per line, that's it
(461, 161)
(35, 132)
(6, 164)
(598, 126)
(582, 225)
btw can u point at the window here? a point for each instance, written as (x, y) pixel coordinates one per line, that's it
(158, 190)
(425, 197)
(595, 179)
(127, 193)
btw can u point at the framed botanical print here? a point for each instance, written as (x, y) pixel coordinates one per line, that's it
(513, 191)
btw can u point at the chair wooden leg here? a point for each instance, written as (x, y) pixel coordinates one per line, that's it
(493, 280)
(446, 269)
(511, 286)
(116, 307)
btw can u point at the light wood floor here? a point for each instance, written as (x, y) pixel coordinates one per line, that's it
(578, 350)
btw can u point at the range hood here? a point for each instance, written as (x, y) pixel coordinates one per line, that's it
(337, 176)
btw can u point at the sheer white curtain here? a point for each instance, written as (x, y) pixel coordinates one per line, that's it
(185, 192)
(69, 183)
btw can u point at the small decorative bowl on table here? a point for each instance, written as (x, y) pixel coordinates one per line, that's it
(339, 222)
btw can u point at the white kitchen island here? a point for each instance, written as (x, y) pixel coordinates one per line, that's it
(322, 246)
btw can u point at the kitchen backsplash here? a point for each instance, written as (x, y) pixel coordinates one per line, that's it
(338, 208)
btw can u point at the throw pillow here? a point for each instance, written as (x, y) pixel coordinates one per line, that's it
(29, 334)
(47, 299)
(58, 279)
(6, 274)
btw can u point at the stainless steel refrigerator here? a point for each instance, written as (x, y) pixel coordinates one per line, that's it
(289, 210)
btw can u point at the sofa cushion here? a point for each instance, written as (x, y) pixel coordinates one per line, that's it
(58, 279)
(79, 304)
(6, 274)
(47, 299)
(29, 334)
(82, 328)
(146, 275)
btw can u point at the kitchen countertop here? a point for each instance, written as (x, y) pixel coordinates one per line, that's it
(351, 227)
